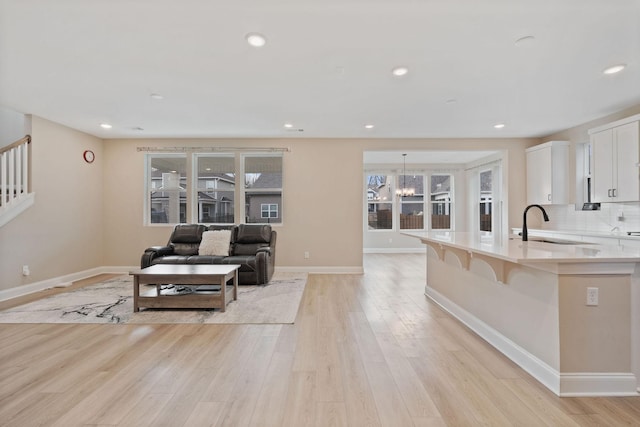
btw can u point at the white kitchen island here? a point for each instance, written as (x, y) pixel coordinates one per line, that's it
(529, 300)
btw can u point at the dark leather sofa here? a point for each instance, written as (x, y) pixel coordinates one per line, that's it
(253, 247)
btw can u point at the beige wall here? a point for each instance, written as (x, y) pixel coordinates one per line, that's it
(595, 339)
(323, 202)
(62, 233)
(317, 174)
(88, 216)
(544, 314)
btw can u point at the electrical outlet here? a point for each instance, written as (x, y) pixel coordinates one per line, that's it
(25, 270)
(592, 296)
(306, 254)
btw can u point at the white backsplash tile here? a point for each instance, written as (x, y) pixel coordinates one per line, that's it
(567, 218)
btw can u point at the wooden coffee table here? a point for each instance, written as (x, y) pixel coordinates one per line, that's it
(182, 274)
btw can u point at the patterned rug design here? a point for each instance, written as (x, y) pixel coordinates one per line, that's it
(111, 301)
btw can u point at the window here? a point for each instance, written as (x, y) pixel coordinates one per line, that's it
(269, 210)
(411, 198)
(441, 197)
(263, 187)
(399, 202)
(216, 187)
(166, 195)
(379, 202)
(486, 200)
(201, 188)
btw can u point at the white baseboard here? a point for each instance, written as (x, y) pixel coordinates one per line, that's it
(394, 250)
(598, 384)
(570, 384)
(61, 281)
(321, 270)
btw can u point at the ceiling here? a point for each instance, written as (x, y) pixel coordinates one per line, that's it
(325, 69)
(426, 157)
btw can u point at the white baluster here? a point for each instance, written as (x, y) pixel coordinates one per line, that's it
(19, 189)
(25, 168)
(3, 179)
(12, 176)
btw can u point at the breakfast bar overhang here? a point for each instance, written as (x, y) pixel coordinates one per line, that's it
(529, 300)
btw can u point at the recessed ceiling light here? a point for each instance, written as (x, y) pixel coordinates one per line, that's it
(256, 40)
(399, 71)
(105, 126)
(288, 125)
(614, 69)
(156, 96)
(526, 40)
(499, 126)
(208, 169)
(369, 126)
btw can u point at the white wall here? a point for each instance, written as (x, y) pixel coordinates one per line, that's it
(62, 233)
(13, 126)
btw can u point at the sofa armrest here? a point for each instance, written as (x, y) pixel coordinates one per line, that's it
(265, 249)
(154, 252)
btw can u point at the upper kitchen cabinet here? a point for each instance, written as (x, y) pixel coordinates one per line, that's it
(616, 153)
(548, 173)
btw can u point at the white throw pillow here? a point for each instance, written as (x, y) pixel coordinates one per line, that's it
(215, 242)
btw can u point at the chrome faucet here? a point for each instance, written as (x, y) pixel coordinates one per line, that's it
(525, 234)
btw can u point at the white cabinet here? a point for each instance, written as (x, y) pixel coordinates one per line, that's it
(616, 153)
(548, 173)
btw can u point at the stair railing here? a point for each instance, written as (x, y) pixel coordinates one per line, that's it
(14, 173)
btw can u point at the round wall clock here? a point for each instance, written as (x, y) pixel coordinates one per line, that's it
(88, 156)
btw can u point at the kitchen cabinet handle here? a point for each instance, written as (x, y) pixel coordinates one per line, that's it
(613, 191)
(609, 193)
(549, 197)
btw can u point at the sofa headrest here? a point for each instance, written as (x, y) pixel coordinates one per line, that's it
(187, 233)
(253, 233)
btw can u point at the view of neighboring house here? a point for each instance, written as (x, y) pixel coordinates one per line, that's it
(215, 200)
(263, 198)
(216, 197)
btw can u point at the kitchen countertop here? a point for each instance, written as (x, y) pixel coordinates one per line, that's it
(513, 249)
(622, 235)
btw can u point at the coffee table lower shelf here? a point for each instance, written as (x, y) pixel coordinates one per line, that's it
(191, 275)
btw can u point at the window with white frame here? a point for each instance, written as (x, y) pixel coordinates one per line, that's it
(399, 202)
(201, 188)
(380, 202)
(441, 201)
(166, 188)
(263, 187)
(411, 198)
(269, 210)
(486, 200)
(216, 188)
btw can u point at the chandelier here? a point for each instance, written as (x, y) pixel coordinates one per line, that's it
(404, 191)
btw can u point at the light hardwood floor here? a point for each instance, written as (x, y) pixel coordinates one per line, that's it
(366, 350)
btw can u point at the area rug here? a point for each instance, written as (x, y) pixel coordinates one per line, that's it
(111, 301)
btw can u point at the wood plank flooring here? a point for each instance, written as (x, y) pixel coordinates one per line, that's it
(366, 350)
